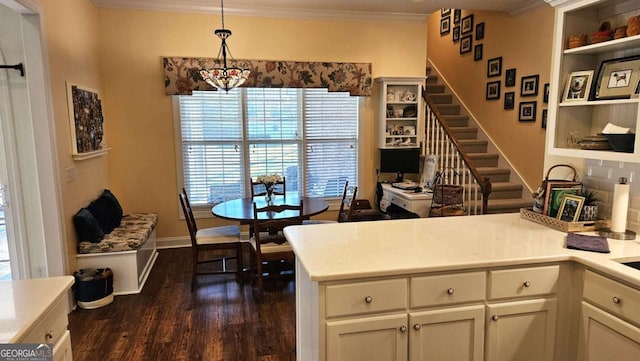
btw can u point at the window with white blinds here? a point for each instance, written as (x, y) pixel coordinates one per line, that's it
(309, 136)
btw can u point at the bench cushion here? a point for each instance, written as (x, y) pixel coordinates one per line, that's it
(133, 232)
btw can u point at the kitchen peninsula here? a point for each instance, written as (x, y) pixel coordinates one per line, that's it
(493, 287)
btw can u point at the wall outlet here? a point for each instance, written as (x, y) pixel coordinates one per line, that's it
(70, 174)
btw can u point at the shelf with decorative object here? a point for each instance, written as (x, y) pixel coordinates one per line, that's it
(573, 115)
(400, 112)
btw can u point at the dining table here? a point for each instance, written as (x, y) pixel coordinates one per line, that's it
(241, 209)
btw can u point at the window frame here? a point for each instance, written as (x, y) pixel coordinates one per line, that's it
(205, 211)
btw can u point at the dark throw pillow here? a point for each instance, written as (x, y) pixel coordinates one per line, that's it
(87, 227)
(114, 205)
(102, 213)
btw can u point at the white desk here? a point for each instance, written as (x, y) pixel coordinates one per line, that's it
(418, 203)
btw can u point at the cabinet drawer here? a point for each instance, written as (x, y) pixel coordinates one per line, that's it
(51, 326)
(447, 289)
(523, 282)
(612, 296)
(402, 202)
(366, 297)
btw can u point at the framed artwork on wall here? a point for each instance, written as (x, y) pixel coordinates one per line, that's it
(494, 67)
(445, 12)
(544, 119)
(445, 25)
(529, 85)
(545, 94)
(477, 52)
(527, 112)
(465, 44)
(509, 100)
(86, 122)
(480, 31)
(510, 77)
(456, 33)
(493, 90)
(467, 24)
(456, 16)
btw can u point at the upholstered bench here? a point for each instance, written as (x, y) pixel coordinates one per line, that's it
(127, 246)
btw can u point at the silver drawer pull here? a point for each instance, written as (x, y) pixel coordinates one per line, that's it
(494, 317)
(49, 335)
(403, 328)
(368, 299)
(526, 284)
(450, 291)
(416, 326)
(616, 300)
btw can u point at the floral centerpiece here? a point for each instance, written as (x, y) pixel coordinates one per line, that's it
(269, 180)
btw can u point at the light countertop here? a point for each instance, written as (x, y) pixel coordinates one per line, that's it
(22, 302)
(399, 247)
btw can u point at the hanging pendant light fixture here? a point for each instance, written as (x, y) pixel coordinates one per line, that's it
(224, 77)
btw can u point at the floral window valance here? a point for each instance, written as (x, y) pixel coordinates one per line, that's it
(181, 75)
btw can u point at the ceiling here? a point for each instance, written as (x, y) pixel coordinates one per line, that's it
(354, 9)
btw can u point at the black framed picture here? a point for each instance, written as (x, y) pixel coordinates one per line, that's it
(456, 16)
(618, 78)
(545, 94)
(477, 52)
(544, 119)
(445, 25)
(456, 33)
(494, 67)
(510, 77)
(467, 24)
(445, 12)
(529, 85)
(527, 112)
(493, 90)
(480, 31)
(465, 44)
(509, 100)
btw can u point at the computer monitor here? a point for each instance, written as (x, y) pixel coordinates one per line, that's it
(400, 160)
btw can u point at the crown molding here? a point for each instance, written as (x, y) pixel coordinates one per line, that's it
(198, 7)
(526, 7)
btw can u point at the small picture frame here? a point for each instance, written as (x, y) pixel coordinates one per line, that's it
(456, 16)
(509, 100)
(527, 112)
(529, 85)
(467, 24)
(445, 25)
(456, 33)
(570, 208)
(578, 86)
(477, 52)
(494, 67)
(409, 130)
(618, 78)
(465, 44)
(544, 119)
(636, 92)
(480, 31)
(445, 12)
(510, 77)
(86, 121)
(493, 90)
(545, 94)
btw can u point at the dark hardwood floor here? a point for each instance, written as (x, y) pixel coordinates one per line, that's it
(220, 320)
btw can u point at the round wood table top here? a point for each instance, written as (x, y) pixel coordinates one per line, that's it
(242, 209)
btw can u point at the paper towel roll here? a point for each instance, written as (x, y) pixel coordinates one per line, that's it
(620, 206)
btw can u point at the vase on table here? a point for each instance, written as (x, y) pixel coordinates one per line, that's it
(269, 196)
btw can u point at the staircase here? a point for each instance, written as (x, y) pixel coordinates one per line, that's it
(507, 195)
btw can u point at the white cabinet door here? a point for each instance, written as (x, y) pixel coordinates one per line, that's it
(382, 338)
(453, 334)
(62, 349)
(521, 330)
(605, 337)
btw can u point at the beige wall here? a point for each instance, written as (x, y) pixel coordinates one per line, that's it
(139, 114)
(71, 37)
(524, 43)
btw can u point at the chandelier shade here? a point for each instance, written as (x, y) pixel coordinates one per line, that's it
(224, 77)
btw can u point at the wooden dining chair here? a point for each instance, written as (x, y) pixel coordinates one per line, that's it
(353, 209)
(268, 243)
(211, 239)
(259, 189)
